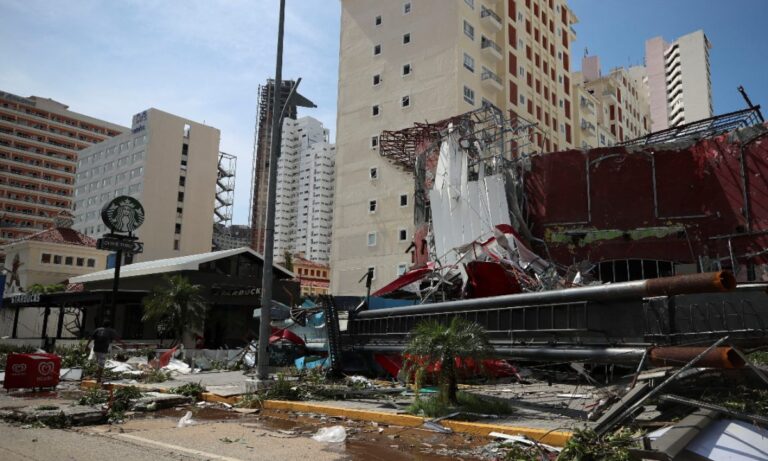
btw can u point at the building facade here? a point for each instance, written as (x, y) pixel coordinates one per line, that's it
(231, 237)
(262, 146)
(406, 62)
(39, 141)
(170, 165)
(313, 277)
(678, 80)
(304, 197)
(621, 109)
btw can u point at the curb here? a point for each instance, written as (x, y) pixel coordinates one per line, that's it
(550, 437)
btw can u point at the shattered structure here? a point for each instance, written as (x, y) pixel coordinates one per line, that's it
(502, 237)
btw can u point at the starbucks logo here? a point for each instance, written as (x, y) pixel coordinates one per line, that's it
(123, 214)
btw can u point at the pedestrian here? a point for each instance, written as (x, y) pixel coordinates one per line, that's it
(102, 340)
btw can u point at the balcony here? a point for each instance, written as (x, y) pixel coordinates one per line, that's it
(490, 48)
(587, 105)
(587, 126)
(489, 18)
(491, 80)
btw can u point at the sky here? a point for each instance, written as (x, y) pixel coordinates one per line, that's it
(204, 59)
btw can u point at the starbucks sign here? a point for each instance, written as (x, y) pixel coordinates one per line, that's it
(123, 214)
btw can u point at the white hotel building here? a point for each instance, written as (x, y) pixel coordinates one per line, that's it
(305, 191)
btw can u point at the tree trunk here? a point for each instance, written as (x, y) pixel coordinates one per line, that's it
(449, 386)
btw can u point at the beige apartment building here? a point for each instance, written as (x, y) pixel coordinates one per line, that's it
(622, 108)
(425, 60)
(170, 165)
(678, 80)
(39, 141)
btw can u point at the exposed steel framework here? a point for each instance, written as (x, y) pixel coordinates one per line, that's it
(504, 136)
(706, 128)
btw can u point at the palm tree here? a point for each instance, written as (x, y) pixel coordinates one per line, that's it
(177, 306)
(433, 342)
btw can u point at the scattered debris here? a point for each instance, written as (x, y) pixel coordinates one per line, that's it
(333, 434)
(186, 420)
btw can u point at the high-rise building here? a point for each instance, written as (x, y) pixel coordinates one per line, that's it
(170, 165)
(402, 62)
(620, 111)
(261, 152)
(304, 198)
(39, 141)
(231, 237)
(678, 80)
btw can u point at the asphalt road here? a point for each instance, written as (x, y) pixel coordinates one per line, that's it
(158, 440)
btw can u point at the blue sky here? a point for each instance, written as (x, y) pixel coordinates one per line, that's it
(204, 59)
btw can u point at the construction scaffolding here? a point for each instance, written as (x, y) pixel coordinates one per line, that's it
(701, 129)
(225, 189)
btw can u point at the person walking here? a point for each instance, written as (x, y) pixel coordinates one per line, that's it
(102, 340)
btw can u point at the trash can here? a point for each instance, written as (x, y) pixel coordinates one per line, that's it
(28, 371)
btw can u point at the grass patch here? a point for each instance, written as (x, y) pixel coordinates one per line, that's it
(468, 403)
(155, 376)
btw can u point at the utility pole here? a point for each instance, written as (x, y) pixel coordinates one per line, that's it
(266, 280)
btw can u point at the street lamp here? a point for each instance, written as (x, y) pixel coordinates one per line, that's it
(278, 112)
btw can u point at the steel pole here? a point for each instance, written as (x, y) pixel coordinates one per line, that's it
(269, 240)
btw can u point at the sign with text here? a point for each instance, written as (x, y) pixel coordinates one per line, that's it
(119, 244)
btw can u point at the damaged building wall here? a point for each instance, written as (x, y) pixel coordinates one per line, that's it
(702, 204)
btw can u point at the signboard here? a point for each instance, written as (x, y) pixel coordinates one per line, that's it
(25, 298)
(120, 244)
(123, 214)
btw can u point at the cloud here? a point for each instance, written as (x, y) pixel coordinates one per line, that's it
(202, 60)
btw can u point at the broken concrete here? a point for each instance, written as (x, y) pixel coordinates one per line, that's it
(56, 415)
(151, 401)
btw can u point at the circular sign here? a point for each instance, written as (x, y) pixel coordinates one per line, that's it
(123, 214)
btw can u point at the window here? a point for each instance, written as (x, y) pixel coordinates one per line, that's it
(406, 7)
(469, 62)
(376, 79)
(469, 31)
(80, 262)
(403, 199)
(374, 142)
(405, 101)
(69, 260)
(373, 173)
(376, 50)
(402, 269)
(182, 180)
(407, 69)
(377, 21)
(372, 206)
(177, 230)
(181, 197)
(46, 258)
(469, 95)
(371, 239)
(402, 235)
(471, 3)
(176, 245)
(56, 259)
(375, 111)
(91, 262)
(187, 128)
(406, 39)
(522, 99)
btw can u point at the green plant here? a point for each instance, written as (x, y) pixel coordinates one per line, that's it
(518, 452)
(251, 400)
(177, 306)
(190, 390)
(759, 358)
(121, 398)
(93, 397)
(466, 403)
(74, 355)
(434, 343)
(38, 288)
(586, 445)
(156, 376)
